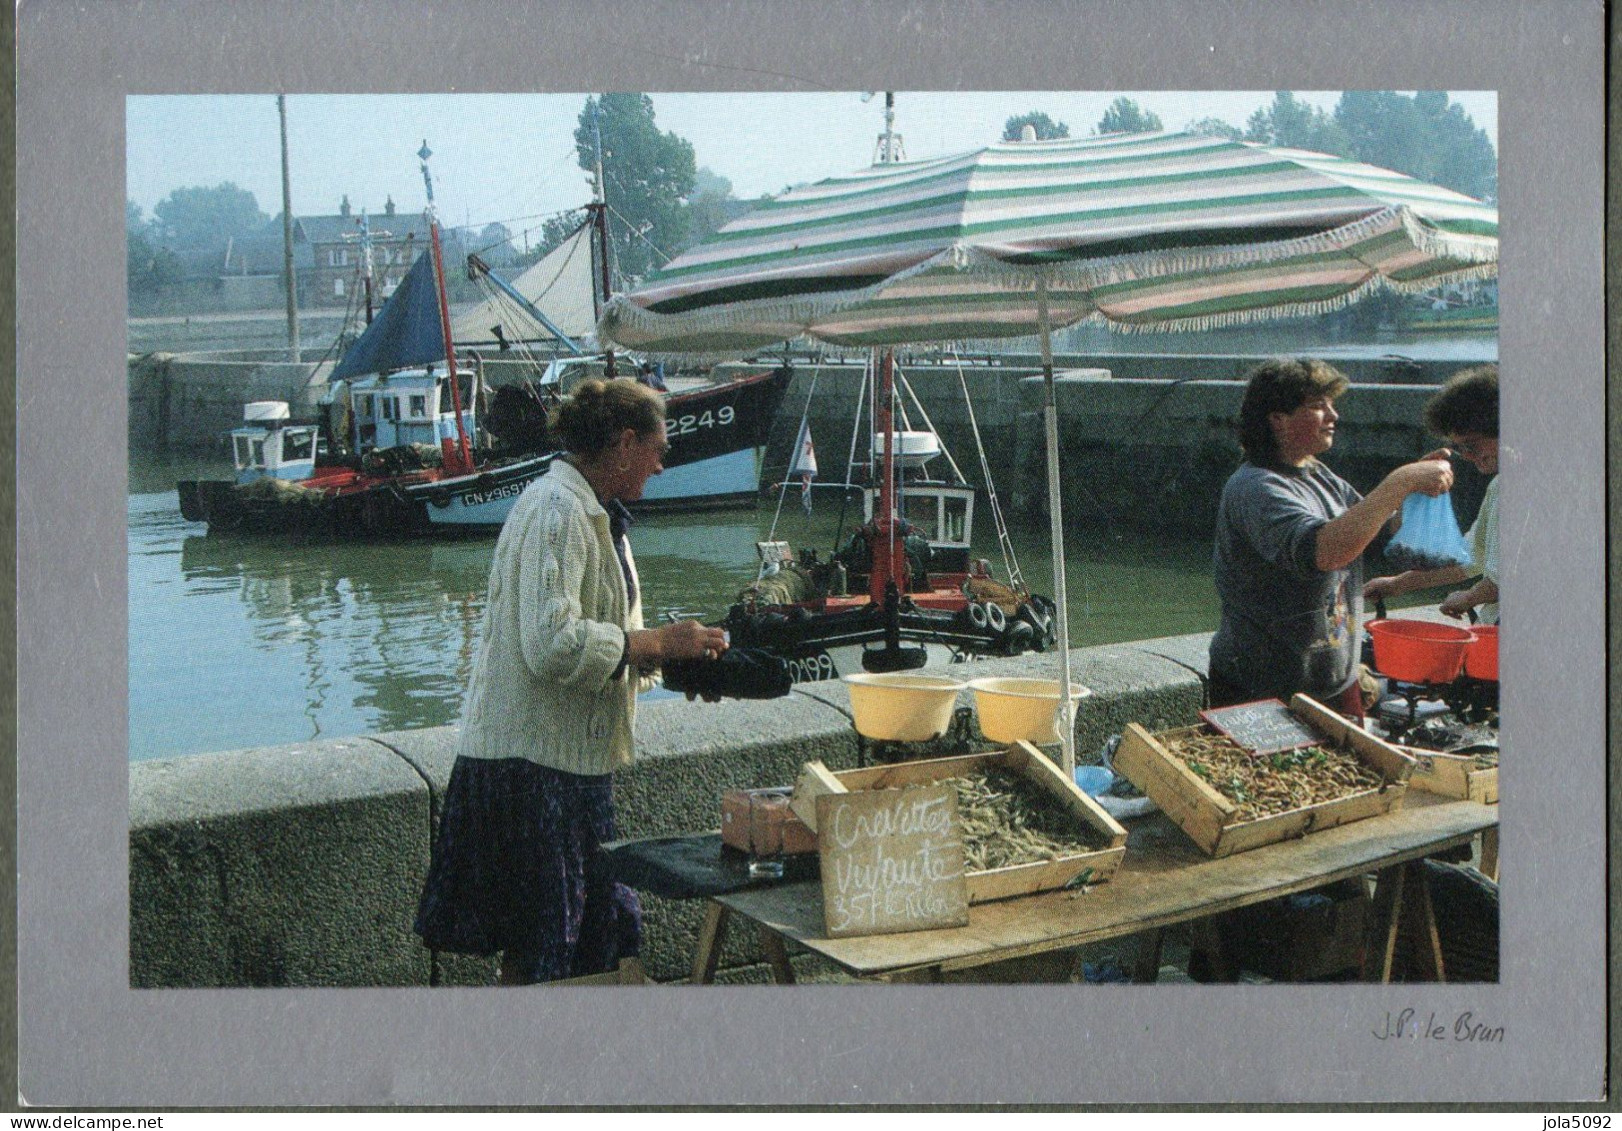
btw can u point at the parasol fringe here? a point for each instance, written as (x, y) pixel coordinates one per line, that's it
(1475, 258)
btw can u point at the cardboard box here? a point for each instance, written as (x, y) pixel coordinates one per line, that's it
(760, 822)
(1086, 867)
(1211, 819)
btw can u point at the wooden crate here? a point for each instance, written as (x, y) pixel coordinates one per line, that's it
(1211, 819)
(1023, 759)
(1452, 775)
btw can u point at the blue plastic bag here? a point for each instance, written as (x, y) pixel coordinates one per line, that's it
(1430, 537)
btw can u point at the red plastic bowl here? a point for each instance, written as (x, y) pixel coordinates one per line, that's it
(1481, 657)
(1419, 651)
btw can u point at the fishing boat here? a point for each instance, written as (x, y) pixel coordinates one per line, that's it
(398, 451)
(905, 589)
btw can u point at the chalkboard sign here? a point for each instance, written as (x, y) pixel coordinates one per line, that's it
(1266, 726)
(892, 860)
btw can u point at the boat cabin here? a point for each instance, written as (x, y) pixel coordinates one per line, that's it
(408, 407)
(941, 514)
(267, 447)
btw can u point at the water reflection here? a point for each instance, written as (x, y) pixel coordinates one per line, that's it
(238, 641)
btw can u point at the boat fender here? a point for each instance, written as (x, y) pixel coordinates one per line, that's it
(1035, 616)
(976, 613)
(1041, 625)
(441, 498)
(996, 619)
(1020, 639)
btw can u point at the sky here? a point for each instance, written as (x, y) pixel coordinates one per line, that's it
(509, 158)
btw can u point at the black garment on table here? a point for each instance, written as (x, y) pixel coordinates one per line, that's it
(695, 867)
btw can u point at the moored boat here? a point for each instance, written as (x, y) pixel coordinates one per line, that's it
(905, 589)
(398, 454)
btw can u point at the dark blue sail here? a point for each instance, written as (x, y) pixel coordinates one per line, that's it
(406, 332)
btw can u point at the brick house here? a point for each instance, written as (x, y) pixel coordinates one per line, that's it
(331, 275)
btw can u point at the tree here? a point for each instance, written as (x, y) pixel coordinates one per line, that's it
(494, 244)
(1300, 125)
(1046, 128)
(1425, 136)
(707, 209)
(648, 175)
(1215, 127)
(203, 218)
(146, 267)
(1125, 116)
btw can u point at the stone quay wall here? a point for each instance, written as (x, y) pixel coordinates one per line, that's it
(301, 865)
(1144, 453)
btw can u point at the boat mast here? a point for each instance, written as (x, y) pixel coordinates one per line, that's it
(457, 461)
(599, 211)
(289, 281)
(366, 261)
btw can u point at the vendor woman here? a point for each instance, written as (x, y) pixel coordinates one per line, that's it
(1465, 412)
(1290, 536)
(549, 714)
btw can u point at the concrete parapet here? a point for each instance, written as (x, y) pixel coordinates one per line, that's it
(286, 866)
(302, 864)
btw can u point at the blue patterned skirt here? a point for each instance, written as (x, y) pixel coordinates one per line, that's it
(516, 868)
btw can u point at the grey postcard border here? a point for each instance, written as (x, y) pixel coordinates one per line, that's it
(86, 1039)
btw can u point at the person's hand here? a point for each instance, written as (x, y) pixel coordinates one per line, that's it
(1383, 588)
(691, 640)
(1457, 603)
(1432, 475)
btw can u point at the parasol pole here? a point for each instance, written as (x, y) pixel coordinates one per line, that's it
(1050, 415)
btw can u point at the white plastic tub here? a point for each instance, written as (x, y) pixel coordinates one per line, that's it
(1014, 710)
(898, 707)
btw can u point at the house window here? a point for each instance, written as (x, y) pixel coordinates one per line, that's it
(337, 257)
(338, 288)
(390, 407)
(419, 406)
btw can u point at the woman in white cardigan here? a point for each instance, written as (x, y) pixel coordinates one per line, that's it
(549, 714)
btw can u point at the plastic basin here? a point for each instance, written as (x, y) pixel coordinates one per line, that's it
(1481, 657)
(1419, 651)
(898, 707)
(1013, 710)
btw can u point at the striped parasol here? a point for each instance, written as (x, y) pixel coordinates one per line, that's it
(1167, 231)
(1171, 231)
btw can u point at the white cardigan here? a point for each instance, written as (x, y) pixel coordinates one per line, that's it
(554, 631)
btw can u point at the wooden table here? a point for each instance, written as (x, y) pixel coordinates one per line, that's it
(1164, 879)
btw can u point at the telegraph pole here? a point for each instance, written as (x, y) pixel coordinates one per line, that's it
(290, 282)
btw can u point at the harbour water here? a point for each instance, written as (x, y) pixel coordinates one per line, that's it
(238, 642)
